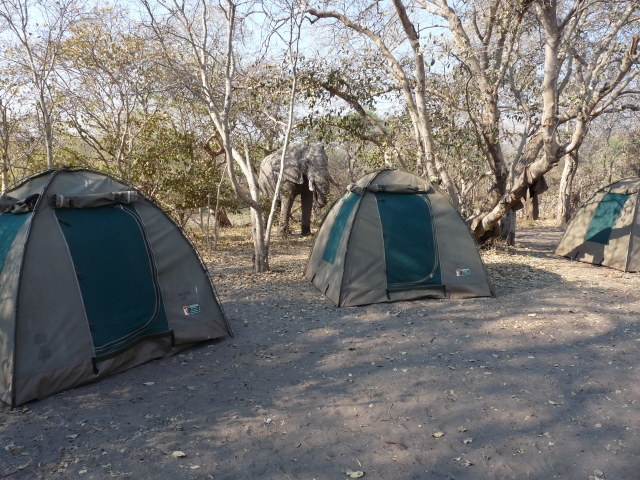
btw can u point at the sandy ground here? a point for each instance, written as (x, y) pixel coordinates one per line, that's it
(540, 382)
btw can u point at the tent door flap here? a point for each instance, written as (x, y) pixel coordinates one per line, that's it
(410, 241)
(117, 275)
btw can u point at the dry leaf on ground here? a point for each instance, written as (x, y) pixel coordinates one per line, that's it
(351, 474)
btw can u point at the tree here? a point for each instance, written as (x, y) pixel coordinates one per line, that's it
(293, 42)
(8, 93)
(110, 86)
(604, 84)
(368, 19)
(38, 29)
(485, 35)
(358, 86)
(19, 140)
(603, 76)
(203, 62)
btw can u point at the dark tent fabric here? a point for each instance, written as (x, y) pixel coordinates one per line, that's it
(392, 237)
(410, 263)
(605, 216)
(606, 229)
(94, 279)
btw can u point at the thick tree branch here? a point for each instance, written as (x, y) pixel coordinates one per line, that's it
(353, 103)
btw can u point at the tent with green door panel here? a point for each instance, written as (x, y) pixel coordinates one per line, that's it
(606, 229)
(94, 279)
(391, 237)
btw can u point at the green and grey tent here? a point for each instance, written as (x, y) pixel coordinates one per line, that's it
(392, 237)
(606, 229)
(94, 279)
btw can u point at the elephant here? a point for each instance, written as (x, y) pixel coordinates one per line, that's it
(306, 173)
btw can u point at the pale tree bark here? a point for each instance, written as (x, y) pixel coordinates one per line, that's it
(5, 137)
(221, 121)
(216, 222)
(486, 50)
(527, 131)
(424, 124)
(545, 139)
(566, 182)
(413, 90)
(39, 28)
(515, 195)
(596, 101)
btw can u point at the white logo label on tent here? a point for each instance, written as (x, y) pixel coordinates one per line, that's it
(463, 272)
(191, 309)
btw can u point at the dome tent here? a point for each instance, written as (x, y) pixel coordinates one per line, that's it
(393, 237)
(94, 279)
(606, 229)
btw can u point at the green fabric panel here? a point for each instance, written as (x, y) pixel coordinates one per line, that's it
(331, 248)
(116, 275)
(9, 226)
(605, 217)
(410, 248)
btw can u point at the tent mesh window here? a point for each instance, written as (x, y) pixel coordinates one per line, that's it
(337, 229)
(410, 248)
(604, 218)
(10, 224)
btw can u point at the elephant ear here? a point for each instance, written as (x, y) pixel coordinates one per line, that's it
(294, 169)
(318, 174)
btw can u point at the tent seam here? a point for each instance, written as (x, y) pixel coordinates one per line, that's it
(77, 283)
(22, 258)
(355, 213)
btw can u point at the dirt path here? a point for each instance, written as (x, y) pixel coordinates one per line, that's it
(540, 382)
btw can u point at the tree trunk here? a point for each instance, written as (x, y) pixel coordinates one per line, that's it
(387, 158)
(566, 182)
(498, 188)
(495, 157)
(508, 230)
(5, 148)
(448, 184)
(209, 221)
(432, 162)
(48, 130)
(536, 170)
(351, 164)
(261, 254)
(216, 223)
(5, 171)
